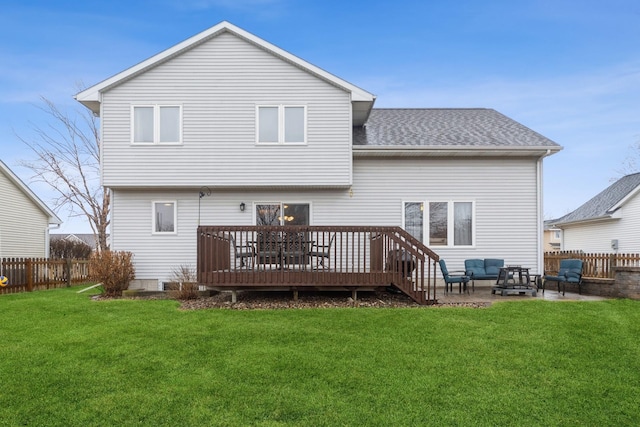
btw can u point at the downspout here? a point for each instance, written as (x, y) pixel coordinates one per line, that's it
(47, 239)
(540, 214)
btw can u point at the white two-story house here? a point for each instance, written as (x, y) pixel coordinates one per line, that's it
(228, 129)
(25, 221)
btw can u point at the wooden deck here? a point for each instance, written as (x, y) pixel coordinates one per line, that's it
(315, 257)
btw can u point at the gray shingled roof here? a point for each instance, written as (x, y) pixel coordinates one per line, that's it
(475, 127)
(601, 205)
(89, 239)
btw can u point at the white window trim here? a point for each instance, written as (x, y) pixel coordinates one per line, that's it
(404, 215)
(156, 124)
(450, 223)
(282, 203)
(175, 217)
(281, 124)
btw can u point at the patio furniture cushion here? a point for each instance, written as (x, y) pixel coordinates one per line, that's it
(483, 269)
(459, 277)
(570, 271)
(492, 266)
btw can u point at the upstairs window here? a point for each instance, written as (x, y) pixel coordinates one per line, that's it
(281, 124)
(156, 124)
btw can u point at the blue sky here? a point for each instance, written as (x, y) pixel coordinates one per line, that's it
(568, 69)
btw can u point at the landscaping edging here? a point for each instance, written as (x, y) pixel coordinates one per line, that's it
(626, 284)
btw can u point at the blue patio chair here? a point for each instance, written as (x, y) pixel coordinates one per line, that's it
(570, 272)
(451, 277)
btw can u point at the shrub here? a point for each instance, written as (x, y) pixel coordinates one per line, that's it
(62, 248)
(114, 269)
(184, 283)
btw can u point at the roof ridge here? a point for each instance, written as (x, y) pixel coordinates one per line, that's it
(433, 108)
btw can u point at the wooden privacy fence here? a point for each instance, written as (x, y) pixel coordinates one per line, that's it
(28, 274)
(599, 266)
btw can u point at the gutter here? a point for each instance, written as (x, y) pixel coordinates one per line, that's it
(443, 150)
(583, 221)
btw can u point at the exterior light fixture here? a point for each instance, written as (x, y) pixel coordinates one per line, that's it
(242, 206)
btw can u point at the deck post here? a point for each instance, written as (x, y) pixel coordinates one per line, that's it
(354, 294)
(295, 294)
(234, 296)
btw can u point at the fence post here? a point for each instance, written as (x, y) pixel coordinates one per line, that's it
(612, 264)
(29, 274)
(67, 267)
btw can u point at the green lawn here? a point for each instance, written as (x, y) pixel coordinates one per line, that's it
(68, 361)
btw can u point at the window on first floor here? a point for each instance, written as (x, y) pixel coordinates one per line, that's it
(156, 124)
(281, 124)
(282, 213)
(445, 223)
(164, 217)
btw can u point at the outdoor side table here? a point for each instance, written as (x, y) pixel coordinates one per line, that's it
(514, 280)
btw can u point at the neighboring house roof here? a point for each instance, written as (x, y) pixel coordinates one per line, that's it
(89, 239)
(447, 129)
(606, 203)
(362, 100)
(549, 225)
(53, 218)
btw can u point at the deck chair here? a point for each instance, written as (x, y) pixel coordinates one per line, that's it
(570, 272)
(451, 277)
(269, 247)
(243, 251)
(295, 249)
(322, 250)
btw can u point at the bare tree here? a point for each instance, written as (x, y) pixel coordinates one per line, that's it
(631, 162)
(68, 160)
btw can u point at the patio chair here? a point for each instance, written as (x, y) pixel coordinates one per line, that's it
(321, 250)
(295, 249)
(268, 247)
(570, 272)
(451, 277)
(243, 251)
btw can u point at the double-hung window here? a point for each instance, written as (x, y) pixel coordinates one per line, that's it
(446, 223)
(156, 124)
(164, 217)
(281, 124)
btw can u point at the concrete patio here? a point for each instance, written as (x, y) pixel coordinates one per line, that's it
(483, 294)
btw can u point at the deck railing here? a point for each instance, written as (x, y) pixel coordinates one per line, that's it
(28, 274)
(599, 266)
(298, 257)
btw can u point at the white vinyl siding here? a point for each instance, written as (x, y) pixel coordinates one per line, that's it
(23, 225)
(596, 237)
(218, 85)
(503, 193)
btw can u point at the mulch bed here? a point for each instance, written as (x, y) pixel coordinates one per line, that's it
(270, 300)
